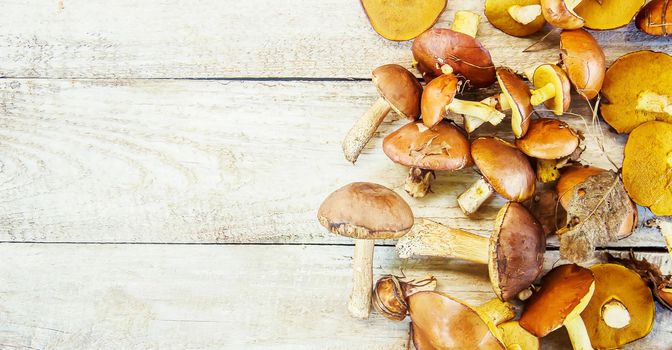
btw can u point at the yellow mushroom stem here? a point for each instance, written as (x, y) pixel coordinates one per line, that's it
(418, 182)
(547, 170)
(496, 311)
(578, 334)
(524, 14)
(466, 22)
(472, 199)
(615, 314)
(650, 101)
(542, 94)
(498, 102)
(476, 110)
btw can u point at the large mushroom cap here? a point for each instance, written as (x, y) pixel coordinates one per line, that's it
(402, 19)
(548, 139)
(400, 88)
(497, 12)
(572, 176)
(558, 14)
(364, 210)
(655, 18)
(518, 96)
(647, 166)
(583, 60)
(505, 167)
(468, 58)
(564, 292)
(550, 73)
(442, 147)
(608, 14)
(517, 248)
(437, 95)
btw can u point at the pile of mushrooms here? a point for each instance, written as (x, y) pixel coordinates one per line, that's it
(534, 165)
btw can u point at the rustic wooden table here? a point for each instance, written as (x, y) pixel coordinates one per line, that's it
(161, 163)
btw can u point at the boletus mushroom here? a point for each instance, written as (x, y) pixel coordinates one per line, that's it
(456, 50)
(515, 17)
(621, 309)
(608, 14)
(514, 252)
(399, 90)
(656, 18)
(516, 337)
(583, 60)
(560, 13)
(631, 100)
(402, 19)
(390, 294)
(565, 292)
(366, 212)
(504, 169)
(443, 147)
(551, 87)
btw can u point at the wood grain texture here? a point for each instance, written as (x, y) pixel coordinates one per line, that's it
(217, 297)
(214, 38)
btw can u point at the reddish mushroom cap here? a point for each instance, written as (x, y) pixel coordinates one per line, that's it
(505, 167)
(548, 139)
(400, 88)
(437, 95)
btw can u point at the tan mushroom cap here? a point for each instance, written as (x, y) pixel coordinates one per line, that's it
(548, 139)
(401, 19)
(550, 73)
(505, 167)
(497, 13)
(400, 88)
(442, 147)
(608, 14)
(517, 248)
(364, 210)
(437, 95)
(518, 96)
(655, 18)
(572, 176)
(559, 15)
(562, 291)
(468, 58)
(583, 59)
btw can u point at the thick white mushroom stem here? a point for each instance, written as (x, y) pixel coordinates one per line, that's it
(547, 170)
(542, 94)
(496, 311)
(650, 101)
(472, 199)
(466, 22)
(498, 102)
(418, 182)
(615, 314)
(363, 130)
(578, 334)
(362, 279)
(524, 14)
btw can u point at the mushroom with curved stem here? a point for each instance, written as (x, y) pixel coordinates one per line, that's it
(551, 88)
(515, 17)
(583, 60)
(444, 147)
(514, 252)
(399, 91)
(366, 212)
(560, 13)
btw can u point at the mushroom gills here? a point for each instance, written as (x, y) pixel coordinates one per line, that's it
(524, 14)
(650, 101)
(472, 199)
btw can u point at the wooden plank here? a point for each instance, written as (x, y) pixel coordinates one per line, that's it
(177, 39)
(215, 297)
(203, 161)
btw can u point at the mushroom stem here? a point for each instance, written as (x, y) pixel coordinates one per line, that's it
(475, 109)
(466, 22)
(578, 334)
(362, 279)
(496, 311)
(363, 130)
(542, 94)
(429, 238)
(418, 182)
(524, 14)
(650, 101)
(495, 101)
(547, 170)
(615, 314)
(472, 199)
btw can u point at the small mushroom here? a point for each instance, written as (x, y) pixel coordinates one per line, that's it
(621, 309)
(366, 212)
(515, 17)
(402, 19)
(608, 14)
(583, 60)
(551, 87)
(516, 337)
(443, 147)
(399, 90)
(504, 169)
(560, 13)
(565, 292)
(655, 18)
(549, 140)
(390, 294)
(514, 252)
(440, 50)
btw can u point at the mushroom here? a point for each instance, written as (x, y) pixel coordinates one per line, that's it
(504, 170)
(366, 212)
(551, 87)
(583, 60)
(443, 147)
(560, 13)
(632, 100)
(390, 294)
(621, 309)
(515, 17)
(565, 292)
(608, 14)
(399, 90)
(440, 321)
(440, 50)
(516, 337)
(514, 253)
(402, 19)
(655, 18)
(549, 140)
(570, 178)
(647, 166)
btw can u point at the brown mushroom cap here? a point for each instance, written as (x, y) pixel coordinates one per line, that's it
(364, 210)
(505, 167)
(518, 95)
(608, 14)
(517, 248)
(400, 88)
(402, 19)
(572, 176)
(548, 139)
(468, 58)
(562, 291)
(584, 61)
(559, 15)
(437, 95)
(655, 18)
(550, 73)
(497, 13)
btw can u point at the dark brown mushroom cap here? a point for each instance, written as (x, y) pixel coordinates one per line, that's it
(364, 210)
(548, 139)
(561, 292)
(655, 18)
(559, 15)
(505, 167)
(438, 46)
(583, 59)
(442, 147)
(437, 95)
(517, 94)
(517, 248)
(400, 88)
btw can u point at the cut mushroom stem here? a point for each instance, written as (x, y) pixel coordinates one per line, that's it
(524, 14)
(578, 334)
(476, 110)
(650, 101)
(547, 170)
(472, 199)
(418, 182)
(496, 311)
(498, 102)
(364, 129)
(466, 22)
(615, 314)
(362, 279)
(542, 94)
